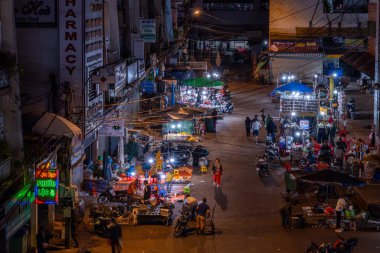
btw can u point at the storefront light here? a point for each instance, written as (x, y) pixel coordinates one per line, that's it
(284, 78)
(178, 125)
(172, 160)
(208, 75)
(204, 92)
(335, 92)
(150, 160)
(173, 126)
(293, 114)
(315, 75)
(322, 113)
(308, 97)
(215, 75)
(162, 176)
(189, 92)
(298, 134)
(292, 77)
(335, 74)
(204, 97)
(133, 174)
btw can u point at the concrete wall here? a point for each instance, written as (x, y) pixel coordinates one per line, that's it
(302, 66)
(286, 15)
(10, 97)
(39, 55)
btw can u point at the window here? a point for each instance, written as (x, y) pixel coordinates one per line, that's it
(229, 6)
(3, 79)
(347, 6)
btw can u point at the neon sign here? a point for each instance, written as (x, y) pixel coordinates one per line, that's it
(46, 188)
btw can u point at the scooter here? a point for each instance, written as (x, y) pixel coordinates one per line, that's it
(180, 228)
(271, 150)
(339, 246)
(101, 226)
(262, 167)
(351, 108)
(109, 195)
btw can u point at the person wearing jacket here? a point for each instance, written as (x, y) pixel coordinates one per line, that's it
(217, 171)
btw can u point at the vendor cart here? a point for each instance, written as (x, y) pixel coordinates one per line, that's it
(209, 223)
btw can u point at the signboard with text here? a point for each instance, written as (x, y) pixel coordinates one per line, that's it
(31, 13)
(46, 182)
(148, 30)
(71, 46)
(294, 46)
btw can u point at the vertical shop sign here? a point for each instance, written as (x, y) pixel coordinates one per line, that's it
(148, 30)
(46, 186)
(71, 42)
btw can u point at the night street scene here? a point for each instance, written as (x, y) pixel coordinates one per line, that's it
(189, 126)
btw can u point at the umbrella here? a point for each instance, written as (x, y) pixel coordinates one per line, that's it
(329, 176)
(51, 124)
(294, 86)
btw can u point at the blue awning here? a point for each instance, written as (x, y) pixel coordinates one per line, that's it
(294, 86)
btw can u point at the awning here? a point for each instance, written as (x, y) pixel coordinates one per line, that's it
(203, 82)
(51, 124)
(362, 61)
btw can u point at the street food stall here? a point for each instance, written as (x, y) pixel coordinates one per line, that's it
(203, 92)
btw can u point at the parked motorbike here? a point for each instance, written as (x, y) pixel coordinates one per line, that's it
(339, 246)
(109, 195)
(351, 108)
(262, 167)
(271, 150)
(101, 226)
(180, 228)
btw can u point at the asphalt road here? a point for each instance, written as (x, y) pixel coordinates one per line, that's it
(247, 207)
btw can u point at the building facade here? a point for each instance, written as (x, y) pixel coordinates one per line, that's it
(308, 37)
(15, 192)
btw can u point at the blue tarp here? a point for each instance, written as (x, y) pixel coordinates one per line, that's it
(294, 86)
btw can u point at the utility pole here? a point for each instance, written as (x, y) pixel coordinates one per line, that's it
(66, 166)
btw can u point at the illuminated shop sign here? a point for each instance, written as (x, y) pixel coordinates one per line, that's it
(46, 178)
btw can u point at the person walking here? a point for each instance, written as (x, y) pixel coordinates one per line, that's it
(115, 236)
(73, 227)
(41, 239)
(202, 211)
(256, 125)
(339, 153)
(248, 126)
(340, 205)
(286, 212)
(263, 115)
(217, 172)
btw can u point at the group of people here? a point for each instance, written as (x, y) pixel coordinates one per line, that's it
(197, 211)
(254, 125)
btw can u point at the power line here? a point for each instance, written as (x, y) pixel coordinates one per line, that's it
(294, 13)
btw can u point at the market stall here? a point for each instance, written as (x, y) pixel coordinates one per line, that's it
(205, 93)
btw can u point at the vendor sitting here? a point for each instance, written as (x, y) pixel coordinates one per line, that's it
(190, 204)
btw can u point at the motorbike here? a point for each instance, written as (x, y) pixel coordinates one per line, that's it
(101, 226)
(351, 108)
(180, 228)
(109, 195)
(271, 150)
(340, 245)
(262, 167)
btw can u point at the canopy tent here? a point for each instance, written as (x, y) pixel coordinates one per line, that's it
(329, 176)
(200, 82)
(51, 124)
(294, 86)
